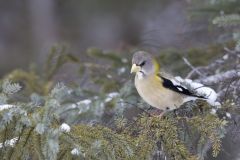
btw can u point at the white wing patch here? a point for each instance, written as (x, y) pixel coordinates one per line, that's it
(180, 89)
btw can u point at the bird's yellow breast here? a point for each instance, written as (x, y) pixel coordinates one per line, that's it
(151, 90)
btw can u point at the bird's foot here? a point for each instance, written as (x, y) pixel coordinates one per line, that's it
(157, 113)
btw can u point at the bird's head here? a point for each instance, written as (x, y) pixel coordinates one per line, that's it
(144, 63)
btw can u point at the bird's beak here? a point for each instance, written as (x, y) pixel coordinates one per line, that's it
(135, 68)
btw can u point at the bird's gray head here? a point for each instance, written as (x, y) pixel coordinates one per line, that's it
(143, 63)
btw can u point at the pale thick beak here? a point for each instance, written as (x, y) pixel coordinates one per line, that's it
(135, 68)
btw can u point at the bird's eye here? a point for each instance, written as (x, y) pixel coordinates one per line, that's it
(142, 64)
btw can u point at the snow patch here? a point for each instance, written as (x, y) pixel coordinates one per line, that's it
(84, 105)
(65, 127)
(217, 104)
(225, 57)
(110, 96)
(228, 115)
(10, 142)
(6, 106)
(75, 151)
(213, 111)
(73, 106)
(70, 91)
(85, 102)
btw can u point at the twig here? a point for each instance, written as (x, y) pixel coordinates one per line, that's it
(230, 51)
(194, 69)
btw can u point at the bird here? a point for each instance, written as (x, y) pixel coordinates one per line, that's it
(162, 91)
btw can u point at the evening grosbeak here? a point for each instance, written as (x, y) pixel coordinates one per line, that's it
(160, 91)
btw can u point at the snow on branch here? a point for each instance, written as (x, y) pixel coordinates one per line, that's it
(6, 106)
(223, 75)
(231, 59)
(220, 77)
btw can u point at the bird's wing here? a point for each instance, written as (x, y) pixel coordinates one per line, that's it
(170, 84)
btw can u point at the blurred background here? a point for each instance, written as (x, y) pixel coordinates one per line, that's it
(28, 28)
(39, 37)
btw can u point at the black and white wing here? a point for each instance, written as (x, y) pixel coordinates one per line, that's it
(169, 84)
(189, 88)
